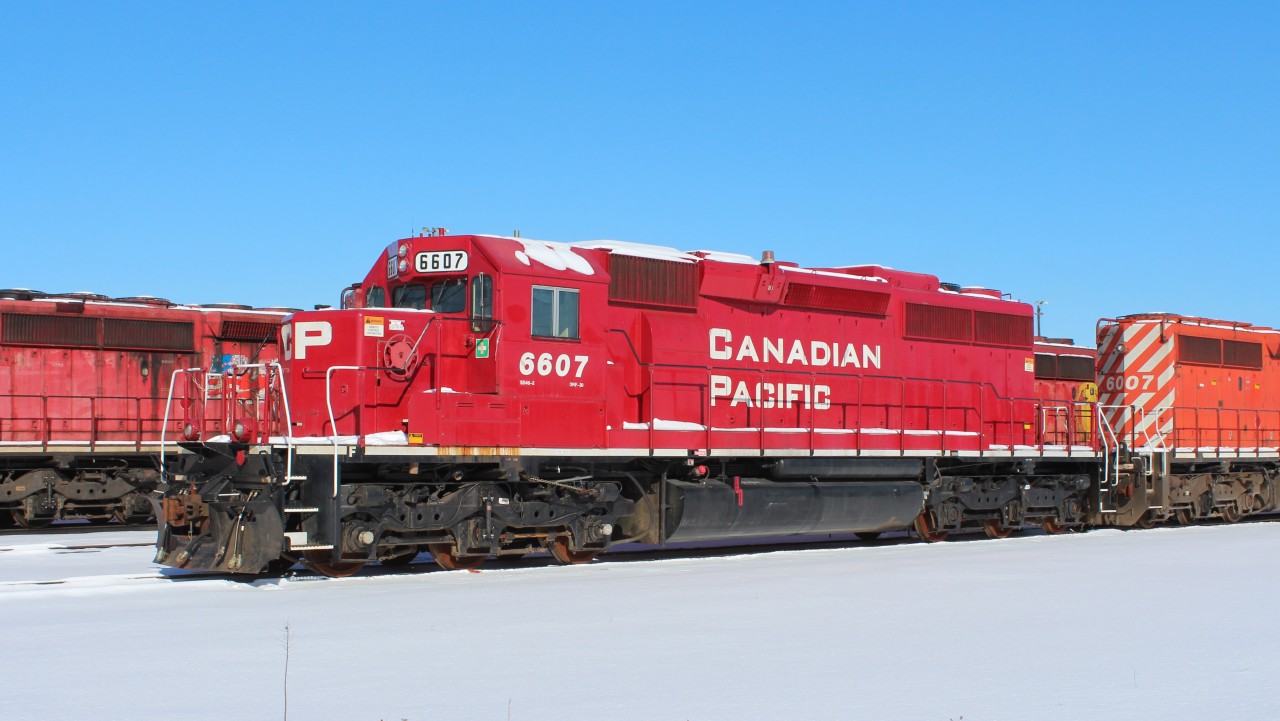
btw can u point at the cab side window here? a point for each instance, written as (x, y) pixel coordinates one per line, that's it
(555, 312)
(377, 297)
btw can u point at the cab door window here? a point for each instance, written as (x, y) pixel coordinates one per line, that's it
(482, 304)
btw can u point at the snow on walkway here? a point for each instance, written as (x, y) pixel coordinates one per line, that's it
(1168, 624)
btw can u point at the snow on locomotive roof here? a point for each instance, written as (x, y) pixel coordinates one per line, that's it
(795, 269)
(557, 256)
(562, 256)
(638, 250)
(723, 257)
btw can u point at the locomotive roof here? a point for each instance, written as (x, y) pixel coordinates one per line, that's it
(1188, 320)
(141, 302)
(586, 259)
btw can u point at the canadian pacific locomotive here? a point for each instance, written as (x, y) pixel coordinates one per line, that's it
(84, 384)
(478, 396)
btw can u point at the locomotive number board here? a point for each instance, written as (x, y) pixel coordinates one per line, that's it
(440, 261)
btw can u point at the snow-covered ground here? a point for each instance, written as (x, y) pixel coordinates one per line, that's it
(1162, 624)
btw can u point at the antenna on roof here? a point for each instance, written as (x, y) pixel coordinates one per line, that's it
(1040, 304)
(517, 232)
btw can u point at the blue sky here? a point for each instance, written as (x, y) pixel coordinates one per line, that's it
(1110, 158)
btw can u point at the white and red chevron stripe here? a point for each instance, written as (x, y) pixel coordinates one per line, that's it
(1135, 380)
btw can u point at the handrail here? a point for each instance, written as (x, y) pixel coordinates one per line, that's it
(164, 426)
(333, 422)
(91, 428)
(277, 376)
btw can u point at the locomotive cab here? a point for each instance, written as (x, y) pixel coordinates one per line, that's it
(441, 335)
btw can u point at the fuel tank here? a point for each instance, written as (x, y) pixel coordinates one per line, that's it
(758, 507)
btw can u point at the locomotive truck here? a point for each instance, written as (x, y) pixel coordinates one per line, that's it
(479, 396)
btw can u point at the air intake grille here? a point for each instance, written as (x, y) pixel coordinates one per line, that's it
(848, 300)
(933, 322)
(1002, 329)
(1202, 351)
(1075, 368)
(159, 335)
(56, 330)
(106, 333)
(1064, 368)
(248, 331)
(651, 281)
(1238, 354)
(959, 325)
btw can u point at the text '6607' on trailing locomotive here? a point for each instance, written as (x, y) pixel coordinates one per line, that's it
(479, 396)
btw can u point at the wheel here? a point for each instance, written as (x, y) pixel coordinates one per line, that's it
(1052, 527)
(318, 561)
(1231, 513)
(21, 520)
(995, 530)
(400, 559)
(868, 536)
(1184, 516)
(561, 551)
(1145, 522)
(450, 561)
(927, 530)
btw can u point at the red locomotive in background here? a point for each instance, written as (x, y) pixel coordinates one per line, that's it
(481, 396)
(84, 385)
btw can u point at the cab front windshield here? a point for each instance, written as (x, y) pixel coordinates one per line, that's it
(445, 296)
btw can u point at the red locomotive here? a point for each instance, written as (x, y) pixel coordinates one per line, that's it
(1066, 385)
(1206, 395)
(481, 396)
(84, 384)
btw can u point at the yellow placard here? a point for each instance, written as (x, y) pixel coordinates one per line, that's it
(415, 439)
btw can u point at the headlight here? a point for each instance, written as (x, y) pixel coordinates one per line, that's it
(404, 265)
(404, 250)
